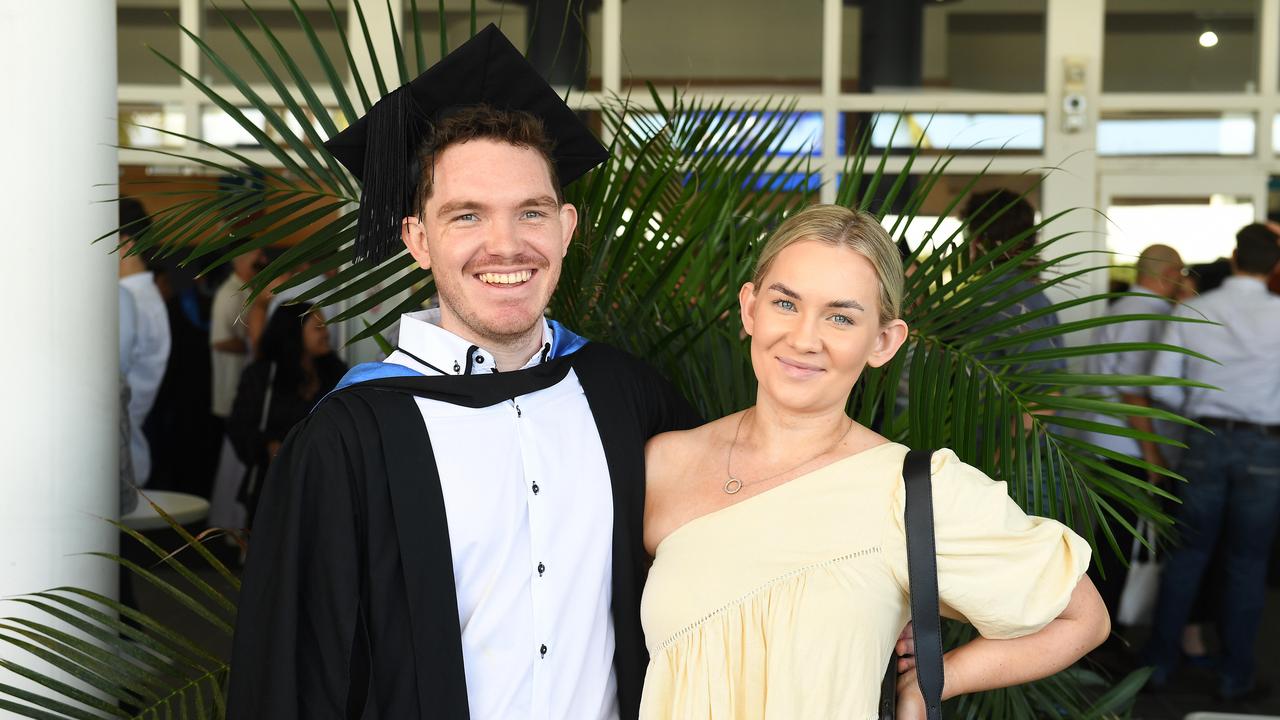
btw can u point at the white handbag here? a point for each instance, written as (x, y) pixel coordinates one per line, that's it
(1141, 585)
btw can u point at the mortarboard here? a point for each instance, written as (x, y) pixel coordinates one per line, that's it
(381, 148)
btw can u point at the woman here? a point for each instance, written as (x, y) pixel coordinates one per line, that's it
(295, 368)
(779, 582)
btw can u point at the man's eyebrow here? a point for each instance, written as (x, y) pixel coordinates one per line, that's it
(845, 304)
(540, 201)
(454, 206)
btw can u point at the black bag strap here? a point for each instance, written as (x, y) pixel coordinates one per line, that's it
(922, 572)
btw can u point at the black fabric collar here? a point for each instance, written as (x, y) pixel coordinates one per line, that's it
(477, 391)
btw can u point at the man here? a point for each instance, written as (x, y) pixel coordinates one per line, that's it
(1160, 278)
(144, 338)
(1233, 470)
(229, 352)
(457, 532)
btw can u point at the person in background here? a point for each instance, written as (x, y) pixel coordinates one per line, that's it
(1234, 470)
(229, 353)
(296, 366)
(145, 352)
(1159, 278)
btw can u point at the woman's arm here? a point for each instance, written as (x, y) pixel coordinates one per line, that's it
(984, 664)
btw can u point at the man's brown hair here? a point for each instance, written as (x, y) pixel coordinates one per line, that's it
(483, 122)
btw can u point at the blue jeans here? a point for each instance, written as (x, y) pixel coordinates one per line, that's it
(1232, 495)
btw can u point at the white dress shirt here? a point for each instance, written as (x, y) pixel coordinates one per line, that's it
(1245, 344)
(529, 501)
(1132, 362)
(143, 368)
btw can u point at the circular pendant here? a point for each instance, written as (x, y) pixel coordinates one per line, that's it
(732, 486)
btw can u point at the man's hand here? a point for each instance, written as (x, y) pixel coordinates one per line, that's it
(910, 700)
(906, 649)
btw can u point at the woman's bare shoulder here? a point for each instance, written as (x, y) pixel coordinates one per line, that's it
(676, 449)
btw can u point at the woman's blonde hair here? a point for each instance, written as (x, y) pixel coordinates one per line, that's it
(841, 227)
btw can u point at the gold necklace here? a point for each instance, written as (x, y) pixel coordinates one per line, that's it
(733, 484)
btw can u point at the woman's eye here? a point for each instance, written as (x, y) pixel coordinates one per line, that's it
(841, 319)
(785, 305)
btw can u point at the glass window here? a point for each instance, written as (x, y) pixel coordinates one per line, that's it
(153, 25)
(142, 126)
(983, 45)
(917, 229)
(960, 132)
(1201, 229)
(731, 45)
(221, 38)
(1155, 134)
(800, 134)
(1184, 46)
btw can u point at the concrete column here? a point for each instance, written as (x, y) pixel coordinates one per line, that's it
(1075, 31)
(59, 399)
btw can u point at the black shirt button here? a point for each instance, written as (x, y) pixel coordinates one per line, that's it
(541, 569)
(543, 650)
(535, 488)
(479, 359)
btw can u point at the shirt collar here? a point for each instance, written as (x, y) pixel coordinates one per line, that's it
(1245, 284)
(141, 279)
(423, 340)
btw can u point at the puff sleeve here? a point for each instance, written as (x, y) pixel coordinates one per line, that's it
(1007, 573)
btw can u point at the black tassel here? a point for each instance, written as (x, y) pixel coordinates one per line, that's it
(390, 176)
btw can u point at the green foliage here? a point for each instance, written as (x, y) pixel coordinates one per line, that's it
(669, 229)
(101, 659)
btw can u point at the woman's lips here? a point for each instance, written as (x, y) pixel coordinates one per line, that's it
(798, 369)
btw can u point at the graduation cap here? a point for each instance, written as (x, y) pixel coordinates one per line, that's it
(381, 148)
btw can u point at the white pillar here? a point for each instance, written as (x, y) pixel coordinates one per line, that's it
(1075, 29)
(58, 369)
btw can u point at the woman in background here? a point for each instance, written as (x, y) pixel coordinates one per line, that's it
(295, 367)
(780, 582)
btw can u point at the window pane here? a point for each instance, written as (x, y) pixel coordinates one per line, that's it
(139, 27)
(223, 130)
(959, 132)
(1225, 134)
(724, 44)
(892, 45)
(156, 119)
(1200, 229)
(1183, 46)
(738, 133)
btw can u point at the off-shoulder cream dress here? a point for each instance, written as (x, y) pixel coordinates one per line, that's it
(787, 604)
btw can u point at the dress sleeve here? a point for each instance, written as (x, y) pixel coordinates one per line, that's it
(1005, 572)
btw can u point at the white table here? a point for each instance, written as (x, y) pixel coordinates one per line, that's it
(183, 508)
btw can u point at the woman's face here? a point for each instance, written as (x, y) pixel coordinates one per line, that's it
(814, 325)
(315, 336)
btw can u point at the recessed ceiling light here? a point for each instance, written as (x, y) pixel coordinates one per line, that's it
(1208, 38)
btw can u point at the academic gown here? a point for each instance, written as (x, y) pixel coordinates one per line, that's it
(348, 607)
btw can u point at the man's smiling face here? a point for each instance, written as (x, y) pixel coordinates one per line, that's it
(494, 236)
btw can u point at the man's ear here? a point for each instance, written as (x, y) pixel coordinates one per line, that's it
(414, 235)
(747, 306)
(888, 341)
(568, 223)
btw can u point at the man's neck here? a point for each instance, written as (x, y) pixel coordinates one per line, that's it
(508, 354)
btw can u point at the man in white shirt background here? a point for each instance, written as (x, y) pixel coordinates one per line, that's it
(1159, 278)
(1232, 495)
(229, 352)
(145, 340)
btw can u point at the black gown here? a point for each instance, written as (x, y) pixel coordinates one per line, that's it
(348, 607)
